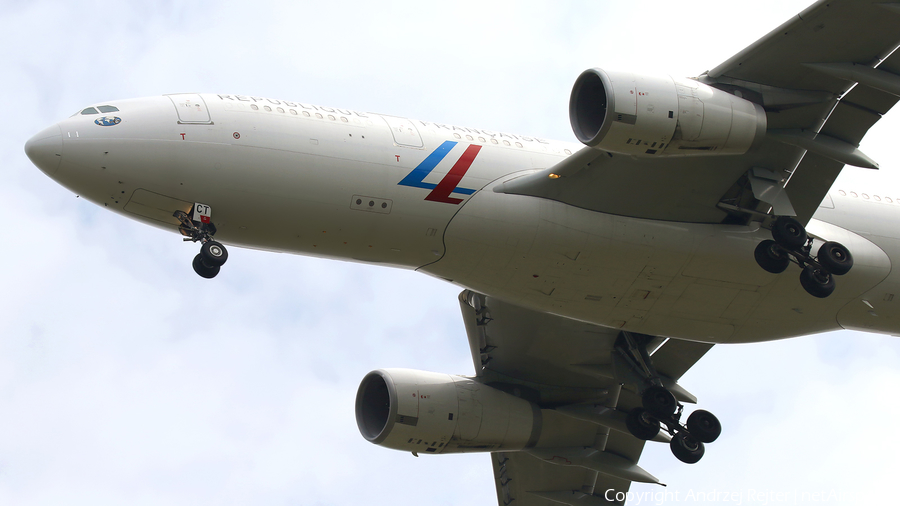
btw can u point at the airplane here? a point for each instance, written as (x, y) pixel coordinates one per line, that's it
(594, 276)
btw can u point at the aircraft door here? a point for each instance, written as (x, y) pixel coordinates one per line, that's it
(191, 108)
(404, 131)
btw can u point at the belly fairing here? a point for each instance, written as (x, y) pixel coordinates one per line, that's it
(691, 281)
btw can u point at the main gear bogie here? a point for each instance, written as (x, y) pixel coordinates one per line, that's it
(791, 243)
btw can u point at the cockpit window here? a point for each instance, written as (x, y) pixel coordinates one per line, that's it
(90, 110)
(107, 108)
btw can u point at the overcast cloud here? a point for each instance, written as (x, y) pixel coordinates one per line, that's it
(127, 379)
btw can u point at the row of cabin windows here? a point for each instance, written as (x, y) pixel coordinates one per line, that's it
(867, 197)
(294, 112)
(494, 141)
(344, 120)
(97, 110)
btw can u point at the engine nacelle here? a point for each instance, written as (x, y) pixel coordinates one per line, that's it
(421, 411)
(647, 116)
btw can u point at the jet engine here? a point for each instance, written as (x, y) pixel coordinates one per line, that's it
(421, 411)
(647, 116)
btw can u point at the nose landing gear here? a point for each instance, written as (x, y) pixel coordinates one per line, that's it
(212, 254)
(792, 244)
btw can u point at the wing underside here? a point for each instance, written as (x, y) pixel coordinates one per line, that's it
(823, 78)
(566, 368)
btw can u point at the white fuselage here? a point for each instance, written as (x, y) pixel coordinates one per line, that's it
(291, 177)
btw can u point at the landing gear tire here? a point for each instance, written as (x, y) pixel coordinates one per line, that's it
(771, 257)
(659, 402)
(213, 253)
(203, 269)
(704, 426)
(789, 233)
(817, 282)
(642, 424)
(687, 448)
(835, 258)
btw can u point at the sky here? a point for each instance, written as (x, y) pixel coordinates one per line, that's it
(127, 379)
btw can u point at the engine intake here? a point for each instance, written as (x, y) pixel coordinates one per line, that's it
(647, 116)
(429, 412)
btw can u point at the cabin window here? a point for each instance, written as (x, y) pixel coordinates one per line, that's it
(280, 109)
(457, 136)
(843, 193)
(293, 112)
(853, 194)
(254, 107)
(318, 115)
(267, 108)
(306, 114)
(518, 144)
(470, 138)
(493, 141)
(343, 119)
(865, 196)
(566, 151)
(332, 118)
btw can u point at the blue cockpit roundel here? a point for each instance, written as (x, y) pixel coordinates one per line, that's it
(108, 121)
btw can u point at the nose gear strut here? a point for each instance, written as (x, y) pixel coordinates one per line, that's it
(660, 409)
(212, 253)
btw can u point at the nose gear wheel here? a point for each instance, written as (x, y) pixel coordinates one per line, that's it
(212, 254)
(203, 269)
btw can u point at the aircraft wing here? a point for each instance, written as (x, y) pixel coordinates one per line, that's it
(824, 78)
(564, 366)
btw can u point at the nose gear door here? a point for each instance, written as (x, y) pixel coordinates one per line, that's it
(191, 109)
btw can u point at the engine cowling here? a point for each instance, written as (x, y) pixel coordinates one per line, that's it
(429, 412)
(649, 116)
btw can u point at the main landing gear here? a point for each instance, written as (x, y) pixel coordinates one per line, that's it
(792, 244)
(660, 410)
(212, 254)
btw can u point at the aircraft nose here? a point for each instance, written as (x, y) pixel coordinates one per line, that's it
(45, 149)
